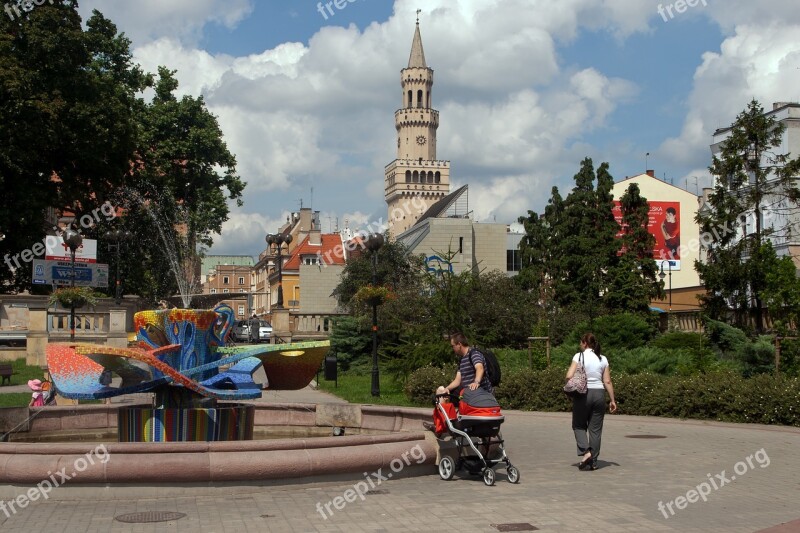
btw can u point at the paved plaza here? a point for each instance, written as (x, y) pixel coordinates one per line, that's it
(707, 476)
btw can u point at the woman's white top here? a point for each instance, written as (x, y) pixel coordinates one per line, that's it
(594, 367)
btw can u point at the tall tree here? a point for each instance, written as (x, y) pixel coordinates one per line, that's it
(633, 282)
(68, 131)
(749, 176)
(183, 176)
(583, 240)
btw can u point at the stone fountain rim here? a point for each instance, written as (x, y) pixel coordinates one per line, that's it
(222, 463)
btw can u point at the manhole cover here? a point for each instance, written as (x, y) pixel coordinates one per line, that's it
(149, 516)
(522, 526)
(645, 436)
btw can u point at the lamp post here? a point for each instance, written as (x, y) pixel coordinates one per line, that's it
(73, 240)
(117, 237)
(278, 240)
(662, 276)
(373, 244)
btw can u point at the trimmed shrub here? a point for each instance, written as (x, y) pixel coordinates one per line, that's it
(619, 331)
(422, 383)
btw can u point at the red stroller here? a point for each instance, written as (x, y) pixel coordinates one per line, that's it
(473, 420)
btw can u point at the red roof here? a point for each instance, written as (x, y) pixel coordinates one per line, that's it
(330, 251)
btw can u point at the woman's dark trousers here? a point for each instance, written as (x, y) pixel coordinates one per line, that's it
(587, 417)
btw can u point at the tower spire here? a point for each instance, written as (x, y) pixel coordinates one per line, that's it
(417, 57)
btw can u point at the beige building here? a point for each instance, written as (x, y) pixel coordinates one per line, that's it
(671, 209)
(235, 280)
(416, 179)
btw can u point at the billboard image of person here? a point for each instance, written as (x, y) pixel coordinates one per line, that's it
(671, 231)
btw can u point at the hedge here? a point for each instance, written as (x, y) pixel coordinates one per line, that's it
(719, 395)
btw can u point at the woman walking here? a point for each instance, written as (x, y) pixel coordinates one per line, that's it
(589, 409)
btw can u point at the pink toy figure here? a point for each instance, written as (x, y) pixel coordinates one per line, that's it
(37, 399)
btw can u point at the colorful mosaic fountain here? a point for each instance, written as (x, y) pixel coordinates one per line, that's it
(179, 357)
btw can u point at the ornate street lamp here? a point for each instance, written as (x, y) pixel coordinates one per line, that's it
(373, 244)
(73, 240)
(278, 240)
(662, 276)
(117, 237)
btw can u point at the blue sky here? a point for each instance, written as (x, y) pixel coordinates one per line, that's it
(525, 90)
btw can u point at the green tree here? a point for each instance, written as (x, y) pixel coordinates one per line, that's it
(68, 134)
(633, 282)
(749, 175)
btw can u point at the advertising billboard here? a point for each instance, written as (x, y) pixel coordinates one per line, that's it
(663, 223)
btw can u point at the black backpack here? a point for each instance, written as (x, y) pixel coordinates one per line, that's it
(492, 365)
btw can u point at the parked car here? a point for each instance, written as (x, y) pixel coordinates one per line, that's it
(264, 331)
(241, 331)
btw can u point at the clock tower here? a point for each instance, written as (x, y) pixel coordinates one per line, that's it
(416, 179)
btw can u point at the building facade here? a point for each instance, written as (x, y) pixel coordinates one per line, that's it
(780, 218)
(677, 235)
(235, 280)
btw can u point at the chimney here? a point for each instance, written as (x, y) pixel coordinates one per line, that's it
(651, 173)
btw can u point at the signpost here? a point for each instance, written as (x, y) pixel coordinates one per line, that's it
(46, 272)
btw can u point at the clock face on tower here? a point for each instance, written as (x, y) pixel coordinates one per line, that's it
(421, 139)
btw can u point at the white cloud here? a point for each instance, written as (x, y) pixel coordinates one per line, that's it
(755, 62)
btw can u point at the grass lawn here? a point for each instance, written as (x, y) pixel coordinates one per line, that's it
(357, 388)
(15, 399)
(24, 372)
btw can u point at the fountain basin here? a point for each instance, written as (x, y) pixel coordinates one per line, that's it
(385, 435)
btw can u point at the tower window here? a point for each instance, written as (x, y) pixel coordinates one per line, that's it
(410, 94)
(428, 99)
(416, 177)
(419, 98)
(438, 177)
(408, 176)
(430, 177)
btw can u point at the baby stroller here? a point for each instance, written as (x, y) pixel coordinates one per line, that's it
(474, 423)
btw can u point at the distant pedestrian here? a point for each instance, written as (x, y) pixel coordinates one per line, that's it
(254, 324)
(588, 410)
(37, 398)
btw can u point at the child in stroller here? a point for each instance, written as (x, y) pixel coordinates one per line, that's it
(473, 420)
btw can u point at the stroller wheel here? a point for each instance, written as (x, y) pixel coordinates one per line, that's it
(447, 468)
(488, 477)
(513, 474)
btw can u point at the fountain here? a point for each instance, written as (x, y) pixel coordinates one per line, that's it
(187, 435)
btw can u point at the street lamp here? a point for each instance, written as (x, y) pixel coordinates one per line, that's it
(278, 240)
(117, 237)
(662, 276)
(73, 240)
(373, 244)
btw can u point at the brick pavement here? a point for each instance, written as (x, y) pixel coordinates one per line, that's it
(622, 495)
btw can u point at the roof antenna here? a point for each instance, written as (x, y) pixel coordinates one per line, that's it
(418, 12)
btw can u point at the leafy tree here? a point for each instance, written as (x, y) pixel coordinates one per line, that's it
(749, 175)
(782, 291)
(68, 102)
(633, 282)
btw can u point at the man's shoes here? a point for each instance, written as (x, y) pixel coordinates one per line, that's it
(429, 426)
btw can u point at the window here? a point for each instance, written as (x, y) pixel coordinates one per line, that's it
(225, 291)
(310, 260)
(240, 310)
(225, 280)
(241, 280)
(513, 261)
(213, 291)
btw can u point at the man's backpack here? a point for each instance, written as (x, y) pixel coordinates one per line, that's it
(492, 366)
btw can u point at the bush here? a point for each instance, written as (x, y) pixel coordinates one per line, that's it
(757, 357)
(614, 332)
(422, 383)
(350, 342)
